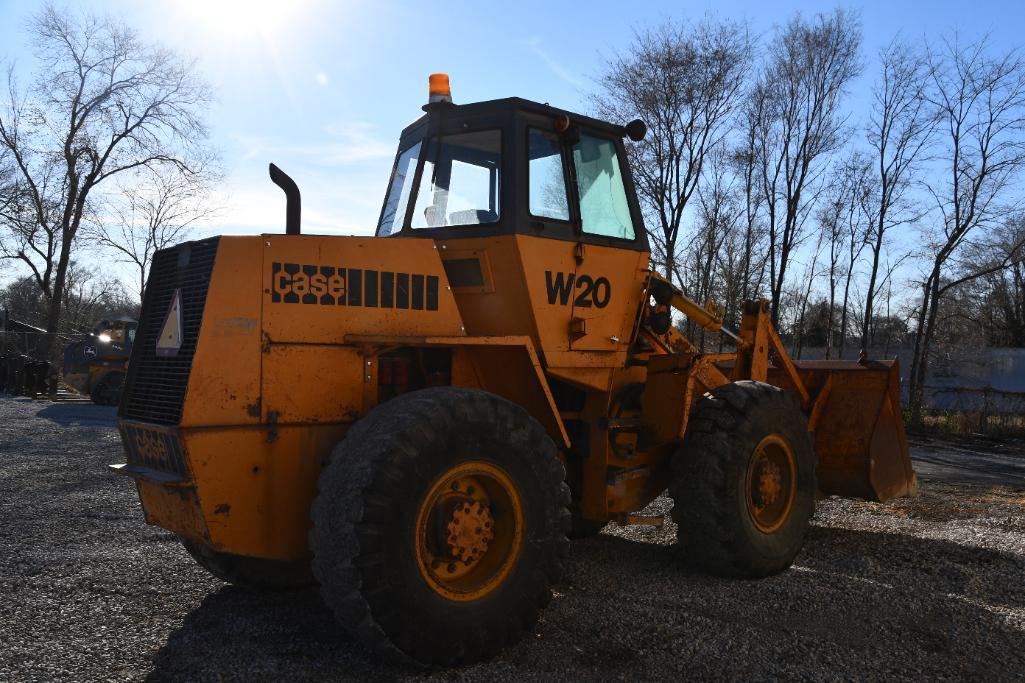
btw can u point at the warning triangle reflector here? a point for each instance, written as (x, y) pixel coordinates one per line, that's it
(170, 339)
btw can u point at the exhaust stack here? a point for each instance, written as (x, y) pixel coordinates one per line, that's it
(293, 206)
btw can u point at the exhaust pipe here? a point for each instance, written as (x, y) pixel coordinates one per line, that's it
(293, 206)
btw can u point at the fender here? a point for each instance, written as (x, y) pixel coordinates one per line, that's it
(506, 366)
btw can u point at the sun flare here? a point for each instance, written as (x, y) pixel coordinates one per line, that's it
(244, 18)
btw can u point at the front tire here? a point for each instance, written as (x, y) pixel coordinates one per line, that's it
(107, 391)
(440, 525)
(743, 482)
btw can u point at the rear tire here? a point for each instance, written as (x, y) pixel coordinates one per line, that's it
(377, 550)
(743, 482)
(250, 572)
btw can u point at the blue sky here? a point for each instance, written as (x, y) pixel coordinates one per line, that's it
(323, 88)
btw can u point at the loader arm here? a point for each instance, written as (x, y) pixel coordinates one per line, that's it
(853, 407)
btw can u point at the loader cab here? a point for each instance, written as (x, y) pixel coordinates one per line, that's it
(512, 166)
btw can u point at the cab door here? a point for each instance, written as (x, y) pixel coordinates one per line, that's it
(608, 283)
(610, 271)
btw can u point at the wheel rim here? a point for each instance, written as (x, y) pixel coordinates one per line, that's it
(469, 531)
(771, 483)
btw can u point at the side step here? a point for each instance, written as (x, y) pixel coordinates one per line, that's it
(641, 520)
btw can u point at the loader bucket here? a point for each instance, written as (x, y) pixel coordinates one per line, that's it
(858, 427)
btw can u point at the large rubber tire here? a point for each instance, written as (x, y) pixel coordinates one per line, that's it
(709, 485)
(107, 391)
(364, 535)
(250, 572)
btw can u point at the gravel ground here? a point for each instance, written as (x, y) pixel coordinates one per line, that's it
(924, 588)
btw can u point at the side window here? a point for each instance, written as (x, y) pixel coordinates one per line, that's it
(603, 206)
(547, 178)
(461, 181)
(398, 192)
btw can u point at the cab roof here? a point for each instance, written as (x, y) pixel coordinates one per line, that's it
(511, 104)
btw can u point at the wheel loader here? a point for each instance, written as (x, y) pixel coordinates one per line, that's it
(95, 365)
(418, 420)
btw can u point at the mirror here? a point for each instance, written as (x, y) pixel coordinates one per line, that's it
(636, 130)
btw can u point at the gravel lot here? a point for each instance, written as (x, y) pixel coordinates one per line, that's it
(931, 587)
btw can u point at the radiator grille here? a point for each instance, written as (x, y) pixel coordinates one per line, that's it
(155, 386)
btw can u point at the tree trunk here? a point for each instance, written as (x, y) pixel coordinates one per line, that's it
(920, 358)
(866, 324)
(53, 307)
(829, 317)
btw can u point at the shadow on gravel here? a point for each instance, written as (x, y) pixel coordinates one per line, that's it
(923, 566)
(240, 634)
(80, 415)
(857, 604)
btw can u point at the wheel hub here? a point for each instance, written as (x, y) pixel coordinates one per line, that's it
(771, 483)
(469, 531)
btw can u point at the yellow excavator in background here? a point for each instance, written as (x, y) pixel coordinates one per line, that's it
(418, 419)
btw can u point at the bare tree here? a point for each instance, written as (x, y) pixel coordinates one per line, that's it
(1003, 303)
(746, 162)
(88, 296)
(899, 129)
(719, 213)
(803, 297)
(981, 100)
(102, 103)
(685, 82)
(156, 212)
(840, 220)
(797, 104)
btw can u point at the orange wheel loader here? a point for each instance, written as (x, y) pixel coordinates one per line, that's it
(418, 420)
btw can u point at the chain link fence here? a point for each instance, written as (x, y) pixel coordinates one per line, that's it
(985, 410)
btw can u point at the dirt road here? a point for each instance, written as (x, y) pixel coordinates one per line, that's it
(929, 587)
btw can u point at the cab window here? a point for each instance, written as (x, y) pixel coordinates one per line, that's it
(604, 209)
(546, 176)
(394, 212)
(460, 181)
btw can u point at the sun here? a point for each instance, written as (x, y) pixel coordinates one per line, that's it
(244, 18)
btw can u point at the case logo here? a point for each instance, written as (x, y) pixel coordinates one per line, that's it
(301, 283)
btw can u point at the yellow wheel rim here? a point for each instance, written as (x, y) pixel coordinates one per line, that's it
(771, 484)
(469, 531)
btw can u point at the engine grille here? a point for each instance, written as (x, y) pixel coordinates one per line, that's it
(155, 386)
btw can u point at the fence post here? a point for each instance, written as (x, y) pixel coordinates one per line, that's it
(984, 417)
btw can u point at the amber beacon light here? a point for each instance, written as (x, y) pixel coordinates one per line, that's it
(439, 89)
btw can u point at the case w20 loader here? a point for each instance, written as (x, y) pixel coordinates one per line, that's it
(418, 420)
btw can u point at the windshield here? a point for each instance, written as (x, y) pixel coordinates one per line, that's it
(394, 212)
(459, 184)
(460, 181)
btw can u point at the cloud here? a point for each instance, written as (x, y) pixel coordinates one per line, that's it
(321, 78)
(347, 143)
(534, 45)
